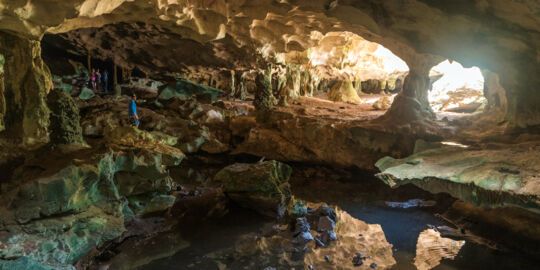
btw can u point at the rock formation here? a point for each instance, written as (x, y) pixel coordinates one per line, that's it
(64, 125)
(77, 180)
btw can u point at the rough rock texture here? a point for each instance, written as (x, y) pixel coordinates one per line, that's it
(292, 137)
(353, 236)
(64, 119)
(185, 89)
(344, 91)
(431, 248)
(59, 205)
(504, 38)
(26, 82)
(262, 186)
(483, 176)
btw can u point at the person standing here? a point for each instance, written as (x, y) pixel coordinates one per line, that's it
(98, 80)
(93, 79)
(133, 116)
(106, 81)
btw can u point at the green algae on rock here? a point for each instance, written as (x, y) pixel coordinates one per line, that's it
(56, 217)
(185, 89)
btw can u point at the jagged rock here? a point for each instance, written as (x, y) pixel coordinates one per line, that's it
(185, 89)
(56, 218)
(262, 186)
(484, 177)
(86, 94)
(343, 91)
(299, 209)
(325, 224)
(153, 141)
(64, 118)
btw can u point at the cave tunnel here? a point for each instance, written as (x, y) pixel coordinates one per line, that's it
(269, 134)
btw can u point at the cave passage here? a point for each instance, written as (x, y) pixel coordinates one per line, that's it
(273, 134)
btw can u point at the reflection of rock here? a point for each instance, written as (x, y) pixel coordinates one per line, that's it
(261, 186)
(280, 250)
(431, 248)
(349, 243)
(410, 203)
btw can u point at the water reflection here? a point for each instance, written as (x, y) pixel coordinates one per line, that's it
(275, 248)
(431, 248)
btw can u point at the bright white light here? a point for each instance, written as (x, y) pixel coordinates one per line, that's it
(458, 86)
(454, 144)
(390, 61)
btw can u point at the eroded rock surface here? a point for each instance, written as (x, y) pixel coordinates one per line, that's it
(262, 186)
(491, 175)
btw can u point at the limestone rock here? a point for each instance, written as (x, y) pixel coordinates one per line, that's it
(154, 141)
(26, 82)
(344, 91)
(262, 186)
(484, 177)
(383, 103)
(64, 118)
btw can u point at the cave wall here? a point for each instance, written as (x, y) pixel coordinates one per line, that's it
(497, 35)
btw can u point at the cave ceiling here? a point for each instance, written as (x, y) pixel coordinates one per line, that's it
(499, 35)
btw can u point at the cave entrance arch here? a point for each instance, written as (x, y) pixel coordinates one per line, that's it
(454, 88)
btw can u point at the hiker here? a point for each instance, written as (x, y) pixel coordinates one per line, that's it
(133, 116)
(106, 81)
(93, 79)
(98, 79)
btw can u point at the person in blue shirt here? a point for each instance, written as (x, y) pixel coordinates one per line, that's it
(133, 116)
(106, 81)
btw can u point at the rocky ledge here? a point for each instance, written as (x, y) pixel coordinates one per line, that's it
(490, 175)
(59, 205)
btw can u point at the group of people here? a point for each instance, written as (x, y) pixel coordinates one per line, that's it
(100, 81)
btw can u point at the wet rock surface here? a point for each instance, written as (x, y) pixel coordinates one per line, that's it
(262, 186)
(482, 175)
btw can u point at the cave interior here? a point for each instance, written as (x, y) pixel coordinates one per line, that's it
(269, 134)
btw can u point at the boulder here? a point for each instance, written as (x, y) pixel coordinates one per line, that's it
(154, 141)
(262, 186)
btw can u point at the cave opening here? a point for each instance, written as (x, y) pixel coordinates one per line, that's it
(454, 88)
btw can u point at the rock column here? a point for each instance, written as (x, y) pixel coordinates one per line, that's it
(412, 103)
(26, 82)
